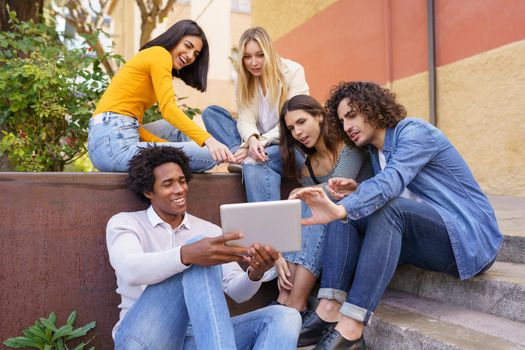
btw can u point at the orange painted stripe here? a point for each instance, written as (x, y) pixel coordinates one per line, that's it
(386, 40)
(326, 46)
(468, 27)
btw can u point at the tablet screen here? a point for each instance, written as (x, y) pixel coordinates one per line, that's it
(274, 223)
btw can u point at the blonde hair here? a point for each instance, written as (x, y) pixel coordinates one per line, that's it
(271, 76)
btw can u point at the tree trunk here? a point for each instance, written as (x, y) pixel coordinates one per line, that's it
(25, 10)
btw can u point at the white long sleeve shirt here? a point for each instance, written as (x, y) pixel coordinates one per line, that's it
(143, 250)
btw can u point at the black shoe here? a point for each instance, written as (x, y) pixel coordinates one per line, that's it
(313, 329)
(235, 168)
(333, 340)
(304, 313)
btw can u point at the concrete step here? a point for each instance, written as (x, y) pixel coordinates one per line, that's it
(499, 291)
(510, 213)
(512, 248)
(404, 321)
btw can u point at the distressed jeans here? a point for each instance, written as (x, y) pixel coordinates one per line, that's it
(160, 318)
(113, 140)
(364, 253)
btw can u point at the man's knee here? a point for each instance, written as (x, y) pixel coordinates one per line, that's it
(287, 318)
(393, 208)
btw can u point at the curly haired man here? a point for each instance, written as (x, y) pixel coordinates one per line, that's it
(423, 207)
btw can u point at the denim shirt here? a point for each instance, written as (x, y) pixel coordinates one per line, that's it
(420, 157)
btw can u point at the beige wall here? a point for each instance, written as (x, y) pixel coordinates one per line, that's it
(281, 16)
(123, 29)
(482, 114)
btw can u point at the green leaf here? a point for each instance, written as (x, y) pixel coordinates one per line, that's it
(38, 331)
(79, 346)
(60, 345)
(21, 342)
(81, 331)
(48, 324)
(36, 334)
(52, 318)
(62, 332)
(72, 318)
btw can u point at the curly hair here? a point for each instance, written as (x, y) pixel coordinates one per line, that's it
(141, 166)
(377, 105)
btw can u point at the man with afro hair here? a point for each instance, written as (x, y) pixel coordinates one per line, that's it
(173, 269)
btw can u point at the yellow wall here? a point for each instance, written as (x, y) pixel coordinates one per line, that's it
(481, 109)
(281, 16)
(124, 33)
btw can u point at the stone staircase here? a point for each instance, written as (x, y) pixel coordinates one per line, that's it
(429, 310)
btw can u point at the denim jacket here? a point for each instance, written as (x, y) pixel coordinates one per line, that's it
(420, 157)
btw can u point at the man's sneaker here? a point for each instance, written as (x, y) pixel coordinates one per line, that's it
(313, 329)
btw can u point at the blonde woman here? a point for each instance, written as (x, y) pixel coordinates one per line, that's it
(265, 82)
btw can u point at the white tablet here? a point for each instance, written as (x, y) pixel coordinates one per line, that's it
(275, 223)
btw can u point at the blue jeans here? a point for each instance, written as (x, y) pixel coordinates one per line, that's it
(364, 254)
(114, 139)
(262, 181)
(159, 319)
(312, 250)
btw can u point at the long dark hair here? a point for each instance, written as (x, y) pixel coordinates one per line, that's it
(288, 144)
(196, 74)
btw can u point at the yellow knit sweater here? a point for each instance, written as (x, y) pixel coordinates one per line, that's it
(143, 80)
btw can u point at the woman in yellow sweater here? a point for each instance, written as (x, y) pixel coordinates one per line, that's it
(116, 132)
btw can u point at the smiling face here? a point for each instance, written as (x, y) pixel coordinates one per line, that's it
(186, 51)
(253, 58)
(304, 127)
(357, 128)
(169, 193)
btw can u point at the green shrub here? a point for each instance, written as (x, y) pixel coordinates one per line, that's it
(45, 335)
(48, 92)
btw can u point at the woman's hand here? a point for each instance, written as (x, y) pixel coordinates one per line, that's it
(283, 273)
(241, 155)
(340, 187)
(323, 209)
(256, 149)
(218, 151)
(294, 191)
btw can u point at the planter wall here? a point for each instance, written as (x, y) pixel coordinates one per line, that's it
(53, 251)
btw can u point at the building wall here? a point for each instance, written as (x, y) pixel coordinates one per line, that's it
(480, 57)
